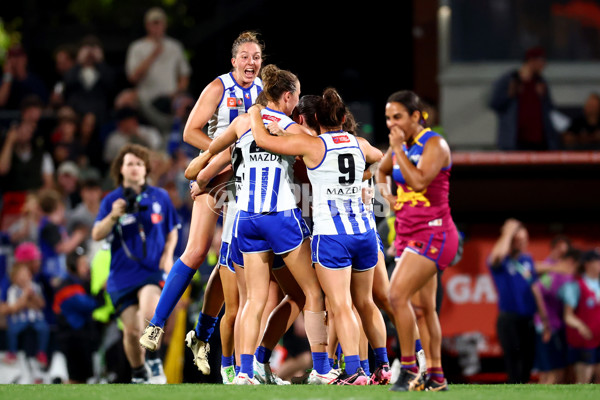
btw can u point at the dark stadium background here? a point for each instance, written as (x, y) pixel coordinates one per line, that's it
(364, 51)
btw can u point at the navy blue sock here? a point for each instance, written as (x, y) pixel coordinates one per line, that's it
(246, 367)
(381, 355)
(205, 326)
(331, 362)
(226, 361)
(418, 346)
(365, 366)
(237, 369)
(262, 354)
(352, 364)
(321, 362)
(178, 280)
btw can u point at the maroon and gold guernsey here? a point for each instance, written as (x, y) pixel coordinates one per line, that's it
(422, 215)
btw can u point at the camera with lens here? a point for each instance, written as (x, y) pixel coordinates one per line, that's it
(132, 200)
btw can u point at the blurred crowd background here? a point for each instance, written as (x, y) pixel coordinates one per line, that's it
(77, 84)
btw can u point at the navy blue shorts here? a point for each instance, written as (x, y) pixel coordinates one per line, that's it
(381, 248)
(225, 258)
(122, 299)
(280, 232)
(236, 256)
(552, 355)
(585, 356)
(359, 251)
(235, 253)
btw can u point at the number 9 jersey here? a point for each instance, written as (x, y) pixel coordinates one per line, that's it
(336, 182)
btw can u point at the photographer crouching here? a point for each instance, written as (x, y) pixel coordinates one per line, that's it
(140, 224)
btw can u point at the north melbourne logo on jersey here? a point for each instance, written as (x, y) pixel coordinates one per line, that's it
(233, 102)
(341, 139)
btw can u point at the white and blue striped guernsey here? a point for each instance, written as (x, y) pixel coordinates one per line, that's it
(266, 181)
(336, 182)
(236, 100)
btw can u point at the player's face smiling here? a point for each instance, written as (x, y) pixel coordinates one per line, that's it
(247, 63)
(133, 170)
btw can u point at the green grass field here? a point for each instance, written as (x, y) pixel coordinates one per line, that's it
(296, 392)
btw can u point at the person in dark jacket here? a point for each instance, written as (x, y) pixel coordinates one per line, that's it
(521, 99)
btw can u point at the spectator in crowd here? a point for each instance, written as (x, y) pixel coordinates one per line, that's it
(584, 132)
(25, 228)
(74, 306)
(84, 215)
(24, 163)
(54, 241)
(89, 84)
(582, 317)
(18, 82)
(127, 98)
(512, 269)
(67, 184)
(25, 302)
(32, 108)
(91, 159)
(162, 168)
(65, 140)
(129, 130)
(559, 246)
(521, 99)
(27, 253)
(157, 67)
(5, 263)
(176, 147)
(551, 355)
(65, 58)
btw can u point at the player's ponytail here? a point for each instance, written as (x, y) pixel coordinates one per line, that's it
(331, 110)
(277, 81)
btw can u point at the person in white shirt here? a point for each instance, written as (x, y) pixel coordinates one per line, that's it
(157, 66)
(129, 130)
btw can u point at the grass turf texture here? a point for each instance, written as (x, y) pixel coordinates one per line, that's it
(299, 392)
